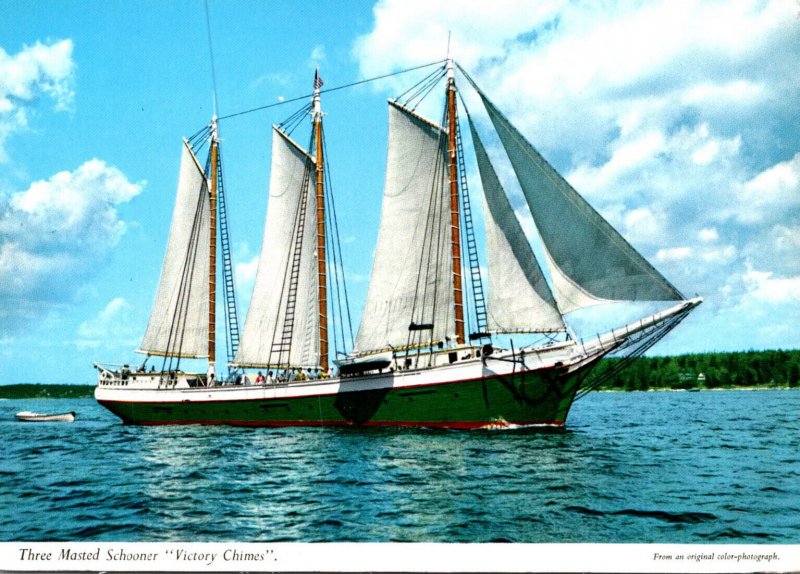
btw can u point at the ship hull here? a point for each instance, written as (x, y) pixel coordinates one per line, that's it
(459, 388)
(524, 398)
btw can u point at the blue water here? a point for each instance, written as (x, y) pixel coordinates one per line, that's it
(665, 467)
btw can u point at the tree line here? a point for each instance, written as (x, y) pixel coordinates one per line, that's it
(46, 391)
(749, 369)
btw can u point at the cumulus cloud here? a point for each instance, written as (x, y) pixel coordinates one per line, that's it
(41, 69)
(56, 234)
(245, 274)
(675, 120)
(770, 194)
(317, 56)
(763, 286)
(112, 327)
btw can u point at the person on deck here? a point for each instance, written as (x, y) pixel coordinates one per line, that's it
(259, 378)
(211, 375)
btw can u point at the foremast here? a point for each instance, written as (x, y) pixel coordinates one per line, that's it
(320, 207)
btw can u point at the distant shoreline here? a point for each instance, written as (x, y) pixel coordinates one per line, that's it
(46, 391)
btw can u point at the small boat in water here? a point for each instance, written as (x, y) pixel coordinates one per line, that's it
(29, 417)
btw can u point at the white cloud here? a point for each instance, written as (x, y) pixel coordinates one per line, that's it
(56, 234)
(245, 274)
(773, 192)
(643, 225)
(786, 240)
(674, 254)
(721, 255)
(764, 286)
(317, 56)
(41, 69)
(112, 327)
(708, 234)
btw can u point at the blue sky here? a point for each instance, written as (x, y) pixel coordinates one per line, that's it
(676, 120)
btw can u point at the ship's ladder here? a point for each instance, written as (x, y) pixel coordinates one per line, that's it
(283, 346)
(479, 299)
(231, 314)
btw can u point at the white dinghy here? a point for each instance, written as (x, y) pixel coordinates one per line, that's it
(29, 417)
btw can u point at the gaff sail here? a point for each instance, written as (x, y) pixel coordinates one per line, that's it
(178, 325)
(411, 281)
(282, 331)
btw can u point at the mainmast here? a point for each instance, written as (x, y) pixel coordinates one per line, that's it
(212, 250)
(320, 205)
(455, 229)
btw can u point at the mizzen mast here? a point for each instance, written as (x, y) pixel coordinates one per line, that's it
(455, 226)
(320, 206)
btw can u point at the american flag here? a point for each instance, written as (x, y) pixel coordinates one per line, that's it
(317, 81)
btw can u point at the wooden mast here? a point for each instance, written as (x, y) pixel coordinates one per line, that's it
(320, 205)
(455, 225)
(212, 251)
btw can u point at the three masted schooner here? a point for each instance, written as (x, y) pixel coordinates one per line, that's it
(426, 352)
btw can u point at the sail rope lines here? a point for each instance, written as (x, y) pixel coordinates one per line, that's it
(328, 90)
(196, 142)
(291, 273)
(211, 58)
(637, 345)
(177, 329)
(431, 261)
(335, 249)
(421, 89)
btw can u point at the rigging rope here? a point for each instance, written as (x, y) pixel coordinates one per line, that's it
(336, 251)
(325, 91)
(430, 263)
(211, 57)
(425, 85)
(292, 122)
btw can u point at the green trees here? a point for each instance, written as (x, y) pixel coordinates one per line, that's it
(29, 391)
(764, 369)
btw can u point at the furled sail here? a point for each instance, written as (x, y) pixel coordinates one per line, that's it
(411, 280)
(282, 325)
(178, 324)
(590, 262)
(519, 298)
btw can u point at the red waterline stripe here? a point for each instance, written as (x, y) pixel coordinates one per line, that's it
(373, 424)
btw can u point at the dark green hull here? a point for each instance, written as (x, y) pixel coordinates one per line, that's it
(539, 397)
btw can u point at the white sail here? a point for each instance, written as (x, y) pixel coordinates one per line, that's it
(519, 298)
(178, 324)
(590, 261)
(277, 331)
(411, 278)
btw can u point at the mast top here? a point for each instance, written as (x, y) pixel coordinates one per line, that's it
(451, 75)
(214, 132)
(317, 113)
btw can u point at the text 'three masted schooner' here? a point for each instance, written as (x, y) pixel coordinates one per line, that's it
(426, 352)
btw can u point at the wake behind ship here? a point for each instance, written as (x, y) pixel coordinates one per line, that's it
(427, 350)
